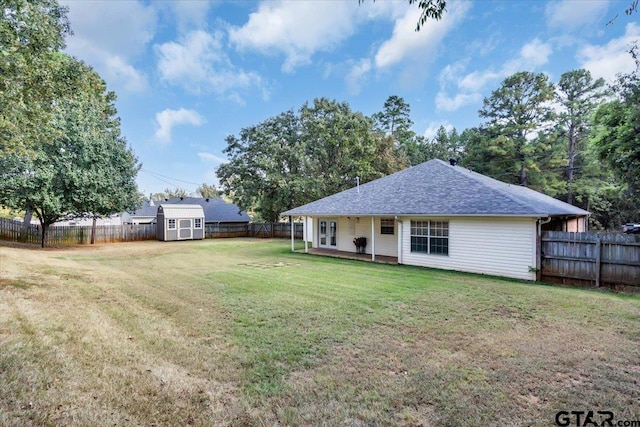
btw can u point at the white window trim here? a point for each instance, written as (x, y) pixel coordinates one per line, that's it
(429, 236)
(175, 224)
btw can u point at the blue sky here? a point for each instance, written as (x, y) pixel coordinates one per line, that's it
(189, 73)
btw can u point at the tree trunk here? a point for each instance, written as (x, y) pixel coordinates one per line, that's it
(44, 234)
(572, 156)
(523, 174)
(93, 229)
(26, 223)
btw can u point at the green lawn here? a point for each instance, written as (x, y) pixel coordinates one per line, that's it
(244, 332)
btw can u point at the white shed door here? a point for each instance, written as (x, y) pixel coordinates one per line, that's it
(185, 230)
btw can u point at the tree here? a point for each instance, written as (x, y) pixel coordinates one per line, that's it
(617, 134)
(84, 167)
(519, 112)
(340, 146)
(431, 9)
(173, 193)
(266, 169)
(297, 157)
(31, 32)
(208, 191)
(579, 94)
(435, 9)
(445, 145)
(394, 119)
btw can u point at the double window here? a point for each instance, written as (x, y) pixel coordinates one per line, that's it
(430, 237)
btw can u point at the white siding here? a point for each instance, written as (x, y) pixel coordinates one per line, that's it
(350, 228)
(495, 246)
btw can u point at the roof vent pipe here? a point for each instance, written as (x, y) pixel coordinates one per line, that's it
(358, 183)
(453, 162)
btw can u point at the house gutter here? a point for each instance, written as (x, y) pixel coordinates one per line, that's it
(540, 222)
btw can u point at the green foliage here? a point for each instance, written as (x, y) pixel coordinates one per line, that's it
(31, 32)
(295, 158)
(578, 95)
(172, 193)
(207, 191)
(617, 133)
(83, 165)
(519, 111)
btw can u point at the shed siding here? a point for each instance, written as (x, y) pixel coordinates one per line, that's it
(496, 246)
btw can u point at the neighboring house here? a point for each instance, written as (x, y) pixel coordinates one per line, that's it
(145, 215)
(442, 216)
(216, 211)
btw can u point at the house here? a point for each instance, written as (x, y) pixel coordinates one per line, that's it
(144, 215)
(216, 211)
(180, 222)
(442, 216)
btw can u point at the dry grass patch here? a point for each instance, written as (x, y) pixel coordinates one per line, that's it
(243, 332)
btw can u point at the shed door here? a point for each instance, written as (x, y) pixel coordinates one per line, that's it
(185, 229)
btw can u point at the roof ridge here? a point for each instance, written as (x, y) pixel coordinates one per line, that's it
(482, 178)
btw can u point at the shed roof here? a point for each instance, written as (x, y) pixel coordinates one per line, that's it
(437, 188)
(181, 211)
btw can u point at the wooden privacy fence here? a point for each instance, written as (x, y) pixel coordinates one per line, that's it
(275, 229)
(600, 259)
(73, 235)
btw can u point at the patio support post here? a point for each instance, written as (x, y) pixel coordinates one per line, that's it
(304, 233)
(373, 238)
(293, 233)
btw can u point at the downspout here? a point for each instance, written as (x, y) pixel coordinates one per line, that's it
(541, 222)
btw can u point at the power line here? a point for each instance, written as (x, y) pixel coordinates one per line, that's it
(168, 177)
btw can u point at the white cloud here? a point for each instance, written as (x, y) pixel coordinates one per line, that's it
(199, 64)
(118, 69)
(570, 15)
(447, 103)
(212, 158)
(469, 86)
(189, 13)
(168, 118)
(406, 42)
(433, 128)
(534, 54)
(297, 29)
(358, 72)
(109, 36)
(612, 58)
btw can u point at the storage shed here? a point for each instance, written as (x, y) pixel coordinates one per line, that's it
(180, 222)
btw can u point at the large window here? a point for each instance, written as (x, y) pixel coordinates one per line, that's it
(171, 224)
(430, 237)
(387, 226)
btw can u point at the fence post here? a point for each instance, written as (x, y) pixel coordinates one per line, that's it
(598, 257)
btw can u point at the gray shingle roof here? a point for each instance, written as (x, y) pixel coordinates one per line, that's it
(215, 210)
(437, 188)
(146, 210)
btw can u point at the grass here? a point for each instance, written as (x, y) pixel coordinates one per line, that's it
(244, 332)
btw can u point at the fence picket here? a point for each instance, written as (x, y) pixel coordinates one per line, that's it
(600, 259)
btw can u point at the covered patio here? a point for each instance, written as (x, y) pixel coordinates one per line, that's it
(351, 255)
